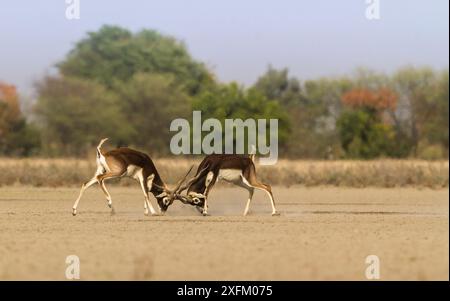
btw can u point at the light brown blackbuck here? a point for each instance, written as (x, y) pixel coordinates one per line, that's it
(237, 169)
(127, 162)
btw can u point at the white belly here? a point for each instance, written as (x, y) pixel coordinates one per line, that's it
(230, 175)
(134, 172)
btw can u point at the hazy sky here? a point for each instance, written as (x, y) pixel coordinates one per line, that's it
(236, 39)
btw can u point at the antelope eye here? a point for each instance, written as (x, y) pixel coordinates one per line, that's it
(166, 201)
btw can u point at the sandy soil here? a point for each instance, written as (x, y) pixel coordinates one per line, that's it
(322, 234)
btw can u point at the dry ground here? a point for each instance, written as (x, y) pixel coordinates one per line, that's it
(322, 233)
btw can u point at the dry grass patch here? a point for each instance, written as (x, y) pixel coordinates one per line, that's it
(376, 173)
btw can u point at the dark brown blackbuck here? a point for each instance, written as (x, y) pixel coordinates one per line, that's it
(236, 169)
(127, 162)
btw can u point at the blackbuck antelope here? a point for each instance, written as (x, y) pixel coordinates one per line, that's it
(236, 169)
(126, 162)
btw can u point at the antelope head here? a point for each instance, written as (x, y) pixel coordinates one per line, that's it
(192, 198)
(167, 196)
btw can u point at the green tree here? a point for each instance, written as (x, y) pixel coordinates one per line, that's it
(424, 104)
(277, 85)
(432, 114)
(312, 108)
(119, 84)
(438, 128)
(74, 114)
(17, 136)
(363, 136)
(231, 101)
(115, 54)
(364, 130)
(149, 103)
(323, 110)
(22, 140)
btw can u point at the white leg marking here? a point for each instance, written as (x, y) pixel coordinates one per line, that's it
(250, 194)
(150, 181)
(208, 180)
(86, 186)
(83, 188)
(149, 186)
(247, 206)
(205, 207)
(145, 208)
(108, 196)
(274, 210)
(138, 175)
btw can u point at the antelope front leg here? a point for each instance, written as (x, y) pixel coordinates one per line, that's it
(211, 179)
(200, 210)
(147, 204)
(250, 195)
(145, 207)
(205, 208)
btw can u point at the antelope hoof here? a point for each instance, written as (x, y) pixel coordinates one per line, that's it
(155, 214)
(146, 213)
(74, 212)
(205, 213)
(276, 213)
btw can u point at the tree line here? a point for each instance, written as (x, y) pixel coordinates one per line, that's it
(130, 86)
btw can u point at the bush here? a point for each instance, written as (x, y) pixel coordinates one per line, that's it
(431, 152)
(363, 136)
(23, 140)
